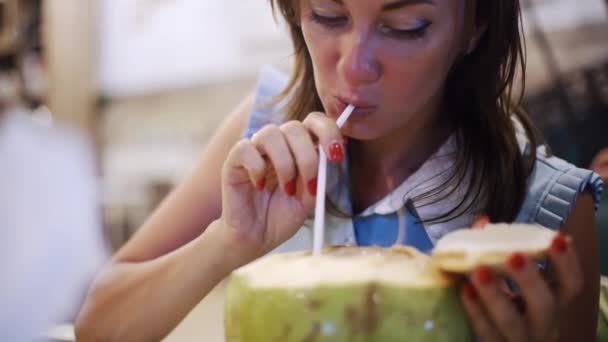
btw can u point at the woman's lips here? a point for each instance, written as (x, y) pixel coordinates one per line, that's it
(361, 109)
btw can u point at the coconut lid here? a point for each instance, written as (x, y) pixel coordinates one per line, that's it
(339, 266)
(462, 251)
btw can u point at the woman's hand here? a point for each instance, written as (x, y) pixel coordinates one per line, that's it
(495, 315)
(269, 182)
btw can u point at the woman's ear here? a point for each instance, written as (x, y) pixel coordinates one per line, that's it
(478, 32)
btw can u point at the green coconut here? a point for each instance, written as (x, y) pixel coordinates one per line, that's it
(346, 294)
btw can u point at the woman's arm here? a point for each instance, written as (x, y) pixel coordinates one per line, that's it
(579, 322)
(196, 201)
(168, 266)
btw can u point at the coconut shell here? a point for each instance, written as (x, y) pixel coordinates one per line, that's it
(464, 250)
(347, 294)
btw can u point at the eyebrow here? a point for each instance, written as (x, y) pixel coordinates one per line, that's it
(397, 4)
(402, 3)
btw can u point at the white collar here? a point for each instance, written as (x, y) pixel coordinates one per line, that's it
(431, 174)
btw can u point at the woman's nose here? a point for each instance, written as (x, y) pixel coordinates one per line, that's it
(358, 64)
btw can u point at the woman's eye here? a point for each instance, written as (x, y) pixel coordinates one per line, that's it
(328, 21)
(414, 33)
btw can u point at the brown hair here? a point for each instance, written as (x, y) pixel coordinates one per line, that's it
(480, 87)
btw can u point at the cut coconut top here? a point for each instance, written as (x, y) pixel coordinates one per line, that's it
(464, 250)
(339, 266)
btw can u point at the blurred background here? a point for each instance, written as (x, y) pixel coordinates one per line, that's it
(148, 81)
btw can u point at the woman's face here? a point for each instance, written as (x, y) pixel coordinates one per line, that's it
(390, 58)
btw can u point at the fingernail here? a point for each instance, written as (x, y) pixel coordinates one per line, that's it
(312, 186)
(469, 291)
(336, 153)
(261, 184)
(290, 188)
(481, 221)
(484, 276)
(559, 243)
(517, 261)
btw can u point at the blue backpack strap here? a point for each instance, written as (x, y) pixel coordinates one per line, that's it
(553, 188)
(265, 109)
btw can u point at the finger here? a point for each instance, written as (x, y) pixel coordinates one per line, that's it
(516, 299)
(567, 269)
(326, 130)
(245, 156)
(483, 328)
(304, 151)
(502, 312)
(504, 287)
(271, 142)
(539, 299)
(480, 221)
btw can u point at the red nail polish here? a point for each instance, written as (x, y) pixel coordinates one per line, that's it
(290, 188)
(312, 187)
(469, 291)
(481, 221)
(559, 243)
(336, 153)
(261, 184)
(517, 261)
(484, 276)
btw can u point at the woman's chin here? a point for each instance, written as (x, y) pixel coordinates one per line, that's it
(361, 131)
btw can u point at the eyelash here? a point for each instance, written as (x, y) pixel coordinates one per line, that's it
(336, 22)
(331, 22)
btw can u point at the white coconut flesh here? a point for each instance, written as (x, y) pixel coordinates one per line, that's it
(398, 266)
(464, 250)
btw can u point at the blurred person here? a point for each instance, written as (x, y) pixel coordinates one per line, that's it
(50, 234)
(434, 140)
(600, 164)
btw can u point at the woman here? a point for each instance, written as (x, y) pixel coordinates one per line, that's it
(433, 143)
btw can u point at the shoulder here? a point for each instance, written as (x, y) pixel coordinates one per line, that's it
(553, 187)
(265, 108)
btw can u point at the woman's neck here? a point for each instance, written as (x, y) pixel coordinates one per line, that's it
(379, 166)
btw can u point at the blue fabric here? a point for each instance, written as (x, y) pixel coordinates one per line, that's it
(270, 83)
(383, 231)
(417, 236)
(553, 187)
(377, 230)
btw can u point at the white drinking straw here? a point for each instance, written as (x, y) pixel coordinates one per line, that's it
(319, 228)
